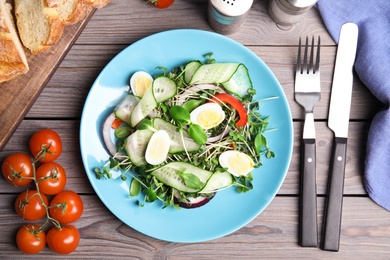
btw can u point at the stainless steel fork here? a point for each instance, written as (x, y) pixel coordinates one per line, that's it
(307, 94)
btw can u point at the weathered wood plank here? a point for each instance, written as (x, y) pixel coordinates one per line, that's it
(365, 228)
(127, 22)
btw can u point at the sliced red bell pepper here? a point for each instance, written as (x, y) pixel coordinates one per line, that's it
(234, 103)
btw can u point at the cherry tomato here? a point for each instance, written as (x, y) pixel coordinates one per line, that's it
(46, 145)
(30, 239)
(17, 169)
(66, 207)
(161, 3)
(51, 178)
(29, 205)
(64, 240)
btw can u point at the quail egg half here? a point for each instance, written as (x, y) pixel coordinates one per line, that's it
(158, 147)
(236, 162)
(208, 115)
(140, 81)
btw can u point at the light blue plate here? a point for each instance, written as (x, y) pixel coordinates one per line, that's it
(229, 210)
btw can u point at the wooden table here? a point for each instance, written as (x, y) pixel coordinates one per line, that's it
(274, 233)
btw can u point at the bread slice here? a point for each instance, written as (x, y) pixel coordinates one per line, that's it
(73, 11)
(13, 61)
(39, 24)
(97, 3)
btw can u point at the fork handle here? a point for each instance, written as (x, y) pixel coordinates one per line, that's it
(308, 227)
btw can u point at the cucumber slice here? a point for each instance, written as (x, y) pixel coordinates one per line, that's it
(143, 108)
(163, 89)
(177, 144)
(190, 69)
(135, 146)
(214, 73)
(240, 83)
(124, 109)
(234, 77)
(168, 174)
(218, 181)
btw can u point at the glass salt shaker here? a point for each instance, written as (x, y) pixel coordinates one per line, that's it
(286, 13)
(228, 16)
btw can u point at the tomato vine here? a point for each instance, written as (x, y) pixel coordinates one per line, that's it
(33, 204)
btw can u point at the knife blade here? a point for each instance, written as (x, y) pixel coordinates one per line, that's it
(338, 121)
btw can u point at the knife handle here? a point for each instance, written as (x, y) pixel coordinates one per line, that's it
(334, 203)
(308, 214)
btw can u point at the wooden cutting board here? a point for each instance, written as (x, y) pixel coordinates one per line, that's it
(18, 95)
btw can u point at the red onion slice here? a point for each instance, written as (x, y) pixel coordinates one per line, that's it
(106, 132)
(192, 202)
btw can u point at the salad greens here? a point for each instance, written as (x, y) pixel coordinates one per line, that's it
(191, 168)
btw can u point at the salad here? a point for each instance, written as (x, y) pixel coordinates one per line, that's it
(187, 133)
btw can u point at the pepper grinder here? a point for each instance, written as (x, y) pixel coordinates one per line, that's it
(227, 16)
(286, 13)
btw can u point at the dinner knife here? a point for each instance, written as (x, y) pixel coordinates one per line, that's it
(338, 120)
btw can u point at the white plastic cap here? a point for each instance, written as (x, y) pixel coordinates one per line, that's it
(232, 7)
(303, 3)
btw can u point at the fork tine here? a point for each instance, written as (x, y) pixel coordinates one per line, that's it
(311, 57)
(298, 66)
(317, 68)
(307, 64)
(305, 68)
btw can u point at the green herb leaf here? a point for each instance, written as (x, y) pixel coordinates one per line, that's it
(208, 55)
(244, 183)
(191, 180)
(113, 162)
(270, 154)
(197, 134)
(260, 142)
(150, 195)
(98, 173)
(180, 115)
(119, 144)
(145, 124)
(107, 172)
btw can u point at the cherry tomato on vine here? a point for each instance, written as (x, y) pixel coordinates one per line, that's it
(17, 169)
(30, 239)
(64, 240)
(51, 178)
(29, 205)
(46, 145)
(161, 3)
(66, 207)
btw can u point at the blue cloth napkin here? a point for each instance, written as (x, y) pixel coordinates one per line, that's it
(373, 68)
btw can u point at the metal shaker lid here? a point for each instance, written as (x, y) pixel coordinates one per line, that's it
(232, 7)
(302, 3)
